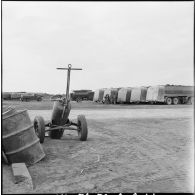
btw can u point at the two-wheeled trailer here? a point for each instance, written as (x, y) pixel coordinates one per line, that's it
(59, 119)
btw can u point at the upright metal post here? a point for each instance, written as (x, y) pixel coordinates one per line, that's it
(68, 79)
(68, 85)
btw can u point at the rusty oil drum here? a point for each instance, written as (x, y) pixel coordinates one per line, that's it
(20, 142)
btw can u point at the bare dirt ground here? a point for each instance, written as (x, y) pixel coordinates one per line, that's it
(140, 148)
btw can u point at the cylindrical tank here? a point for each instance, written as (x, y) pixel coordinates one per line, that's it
(19, 139)
(28, 96)
(57, 113)
(178, 90)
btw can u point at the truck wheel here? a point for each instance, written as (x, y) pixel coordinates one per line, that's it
(78, 99)
(39, 127)
(175, 101)
(56, 134)
(169, 101)
(82, 127)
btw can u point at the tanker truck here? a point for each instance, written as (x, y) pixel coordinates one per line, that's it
(170, 94)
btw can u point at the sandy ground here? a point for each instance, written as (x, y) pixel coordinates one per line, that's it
(128, 150)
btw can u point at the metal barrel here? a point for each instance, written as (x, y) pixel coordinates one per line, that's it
(20, 142)
(57, 113)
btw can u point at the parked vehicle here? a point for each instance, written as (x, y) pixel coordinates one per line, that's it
(30, 96)
(6, 96)
(16, 95)
(170, 94)
(55, 97)
(79, 95)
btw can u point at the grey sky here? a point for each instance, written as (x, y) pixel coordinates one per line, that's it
(118, 44)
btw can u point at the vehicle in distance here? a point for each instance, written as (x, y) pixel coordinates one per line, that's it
(170, 94)
(30, 96)
(6, 96)
(79, 95)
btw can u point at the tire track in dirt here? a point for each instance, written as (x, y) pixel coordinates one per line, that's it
(167, 167)
(162, 167)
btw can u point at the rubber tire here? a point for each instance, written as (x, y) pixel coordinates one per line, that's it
(175, 100)
(82, 127)
(168, 101)
(39, 99)
(41, 128)
(56, 134)
(78, 99)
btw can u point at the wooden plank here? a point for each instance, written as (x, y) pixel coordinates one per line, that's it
(22, 175)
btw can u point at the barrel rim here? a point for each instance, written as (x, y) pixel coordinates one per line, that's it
(18, 112)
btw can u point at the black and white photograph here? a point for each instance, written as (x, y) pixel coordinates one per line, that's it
(97, 97)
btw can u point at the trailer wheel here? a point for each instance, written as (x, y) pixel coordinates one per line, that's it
(175, 101)
(82, 127)
(39, 127)
(169, 101)
(56, 134)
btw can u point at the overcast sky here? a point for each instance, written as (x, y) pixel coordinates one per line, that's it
(118, 44)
